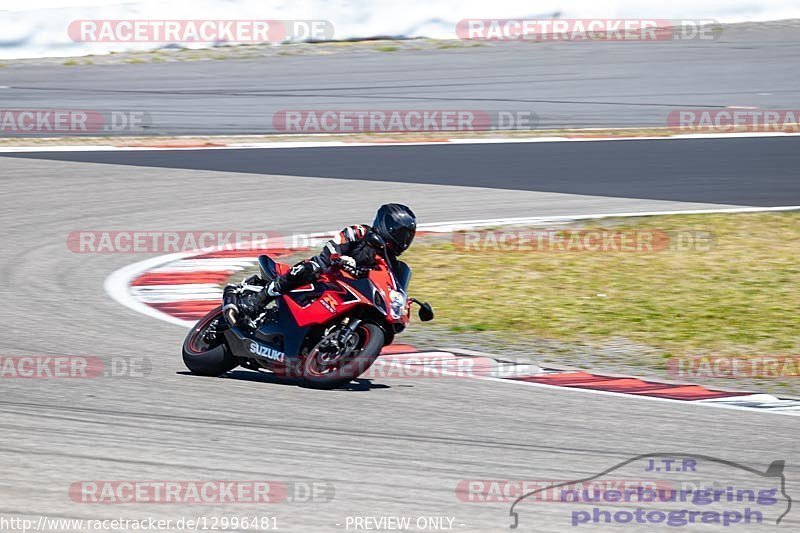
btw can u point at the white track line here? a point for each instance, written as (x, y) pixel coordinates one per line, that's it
(705, 403)
(447, 227)
(341, 144)
(188, 292)
(117, 285)
(715, 402)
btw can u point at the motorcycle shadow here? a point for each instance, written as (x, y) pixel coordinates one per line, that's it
(357, 385)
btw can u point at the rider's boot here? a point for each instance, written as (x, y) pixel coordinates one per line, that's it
(301, 274)
(251, 303)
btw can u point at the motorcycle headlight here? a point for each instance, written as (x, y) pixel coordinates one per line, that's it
(397, 304)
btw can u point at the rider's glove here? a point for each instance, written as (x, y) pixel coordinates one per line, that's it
(347, 263)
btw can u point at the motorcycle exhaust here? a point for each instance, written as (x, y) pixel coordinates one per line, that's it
(229, 307)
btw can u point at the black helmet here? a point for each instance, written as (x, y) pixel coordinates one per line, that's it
(397, 225)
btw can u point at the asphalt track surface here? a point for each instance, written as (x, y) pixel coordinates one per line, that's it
(568, 84)
(743, 171)
(390, 447)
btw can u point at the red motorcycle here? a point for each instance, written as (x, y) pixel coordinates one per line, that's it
(326, 333)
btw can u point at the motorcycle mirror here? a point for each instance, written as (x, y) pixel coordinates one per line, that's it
(425, 312)
(376, 241)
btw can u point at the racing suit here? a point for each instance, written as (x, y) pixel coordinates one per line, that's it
(348, 248)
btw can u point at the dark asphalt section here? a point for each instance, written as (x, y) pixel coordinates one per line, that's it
(752, 171)
(567, 84)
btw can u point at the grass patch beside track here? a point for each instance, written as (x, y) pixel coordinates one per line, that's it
(740, 297)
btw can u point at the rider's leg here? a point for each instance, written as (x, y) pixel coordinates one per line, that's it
(301, 274)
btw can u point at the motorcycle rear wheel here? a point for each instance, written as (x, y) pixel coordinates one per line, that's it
(208, 358)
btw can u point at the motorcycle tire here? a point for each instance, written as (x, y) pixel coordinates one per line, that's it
(369, 352)
(203, 359)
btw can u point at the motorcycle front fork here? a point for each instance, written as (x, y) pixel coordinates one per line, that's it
(345, 333)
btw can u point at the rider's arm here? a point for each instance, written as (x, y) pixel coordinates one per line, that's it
(340, 245)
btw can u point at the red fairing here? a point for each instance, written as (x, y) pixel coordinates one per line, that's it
(313, 305)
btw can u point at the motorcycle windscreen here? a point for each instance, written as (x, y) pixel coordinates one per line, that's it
(402, 274)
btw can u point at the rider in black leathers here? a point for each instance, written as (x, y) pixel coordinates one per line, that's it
(350, 250)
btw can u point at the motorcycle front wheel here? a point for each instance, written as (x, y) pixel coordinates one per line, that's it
(319, 371)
